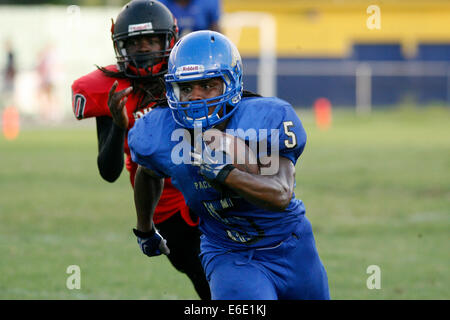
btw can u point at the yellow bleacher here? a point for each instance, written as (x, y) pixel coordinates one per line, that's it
(328, 28)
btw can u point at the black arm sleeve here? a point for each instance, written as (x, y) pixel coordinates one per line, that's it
(111, 141)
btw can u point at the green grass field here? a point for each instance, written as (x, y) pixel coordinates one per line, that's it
(376, 189)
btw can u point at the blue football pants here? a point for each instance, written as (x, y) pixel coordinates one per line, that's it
(291, 270)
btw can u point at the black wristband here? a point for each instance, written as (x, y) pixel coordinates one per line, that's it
(142, 234)
(223, 174)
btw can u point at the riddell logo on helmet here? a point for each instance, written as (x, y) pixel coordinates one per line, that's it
(140, 27)
(190, 68)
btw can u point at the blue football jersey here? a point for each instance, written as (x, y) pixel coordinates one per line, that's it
(157, 142)
(197, 15)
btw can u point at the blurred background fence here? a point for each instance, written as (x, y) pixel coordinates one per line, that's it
(298, 50)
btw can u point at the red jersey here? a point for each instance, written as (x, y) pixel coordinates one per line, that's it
(90, 99)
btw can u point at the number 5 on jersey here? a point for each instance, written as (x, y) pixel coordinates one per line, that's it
(292, 142)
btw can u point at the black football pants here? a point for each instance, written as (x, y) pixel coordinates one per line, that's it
(184, 244)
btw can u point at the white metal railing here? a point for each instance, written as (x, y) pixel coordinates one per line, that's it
(363, 71)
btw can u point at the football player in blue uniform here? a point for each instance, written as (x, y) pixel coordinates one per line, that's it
(194, 15)
(256, 242)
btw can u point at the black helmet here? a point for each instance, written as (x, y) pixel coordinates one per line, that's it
(144, 17)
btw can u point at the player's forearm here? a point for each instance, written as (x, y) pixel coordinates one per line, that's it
(147, 191)
(268, 192)
(111, 148)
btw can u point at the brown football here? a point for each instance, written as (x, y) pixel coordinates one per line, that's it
(243, 157)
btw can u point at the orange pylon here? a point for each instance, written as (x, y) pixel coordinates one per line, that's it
(322, 111)
(10, 123)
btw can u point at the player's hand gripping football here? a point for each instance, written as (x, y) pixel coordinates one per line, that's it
(151, 243)
(116, 105)
(214, 165)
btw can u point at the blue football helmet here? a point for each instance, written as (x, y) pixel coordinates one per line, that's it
(198, 56)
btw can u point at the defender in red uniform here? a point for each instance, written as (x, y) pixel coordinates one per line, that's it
(143, 35)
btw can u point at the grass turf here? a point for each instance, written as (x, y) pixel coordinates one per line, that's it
(376, 190)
